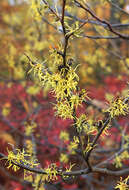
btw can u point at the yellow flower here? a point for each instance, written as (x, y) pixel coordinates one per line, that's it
(12, 158)
(88, 147)
(89, 70)
(6, 110)
(35, 5)
(85, 125)
(89, 127)
(64, 158)
(64, 110)
(29, 129)
(51, 173)
(118, 107)
(28, 176)
(70, 167)
(68, 170)
(29, 147)
(75, 101)
(63, 86)
(64, 136)
(120, 158)
(118, 162)
(80, 121)
(33, 90)
(20, 157)
(74, 144)
(122, 184)
(38, 182)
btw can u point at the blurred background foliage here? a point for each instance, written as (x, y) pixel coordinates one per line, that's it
(25, 31)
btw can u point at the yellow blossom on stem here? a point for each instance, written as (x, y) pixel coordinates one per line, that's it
(29, 147)
(68, 169)
(75, 101)
(120, 158)
(88, 147)
(38, 182)
(74, 144)
(64, 158)
(83, 124)
(28, 176)
(118, 107)
(63, 86)
(20, 157)
(64, 136)
(122, 184)
(80, 121)
(89, 127)
(51, 173)
(64, 110)
(29, 129)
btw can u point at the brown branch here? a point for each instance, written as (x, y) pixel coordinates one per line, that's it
(72, 33)
(80, 142)
(72, 173)
(111, 157)
(66, 37)
(118, 8)
(110, 172)
(52, 10)
(125, 37)
(63, 14)
(101, 37)
(118, 25)
(64, 32)
(98, 170)
(87, 157)
(65, 50)
(4, 157)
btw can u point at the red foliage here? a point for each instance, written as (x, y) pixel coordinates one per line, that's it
(48, 125)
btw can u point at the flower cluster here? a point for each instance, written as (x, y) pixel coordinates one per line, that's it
(85, 125)
(118, 107)
(19, 157)
(64, 86)
(73, 144)
(64, 110)
(40, 179)
(122, 184)
(51, 173)
(119, 159)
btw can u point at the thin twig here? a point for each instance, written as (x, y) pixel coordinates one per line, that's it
(125, 37)
(73, 173)
(118, 8)
(51, 9)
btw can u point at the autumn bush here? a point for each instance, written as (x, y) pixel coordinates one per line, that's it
(64, 106)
